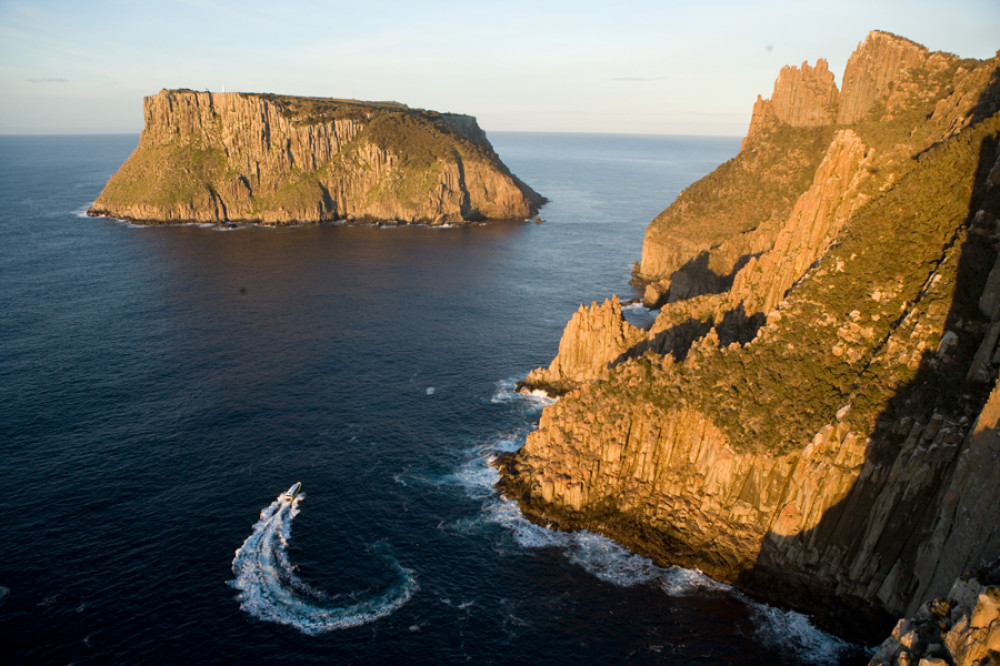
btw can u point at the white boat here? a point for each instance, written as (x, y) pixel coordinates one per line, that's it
(292, 492)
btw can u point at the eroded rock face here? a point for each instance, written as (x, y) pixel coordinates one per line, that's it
(876, 68)
(593, 339)
(803, 96)
(748, 199)
(823, 432)
(696, 245)
(235, 157)
(817, 218)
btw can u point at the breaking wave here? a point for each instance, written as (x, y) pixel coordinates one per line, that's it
(784, 631)
(270, 590)
(506, 392)
(639, 315)
(791, 632)
(596, 554)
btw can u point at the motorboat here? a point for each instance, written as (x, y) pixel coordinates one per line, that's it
(292, 492)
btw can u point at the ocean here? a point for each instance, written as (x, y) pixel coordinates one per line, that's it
(162, 387)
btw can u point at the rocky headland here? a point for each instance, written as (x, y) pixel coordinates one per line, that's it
(270, 159)
(813, 415)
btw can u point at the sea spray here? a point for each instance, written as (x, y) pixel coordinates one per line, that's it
(793, 633)
(270, 590)
(787, 632)
(784, 631)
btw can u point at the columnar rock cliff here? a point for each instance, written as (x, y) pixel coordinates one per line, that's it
(813, 417)
(237, 157)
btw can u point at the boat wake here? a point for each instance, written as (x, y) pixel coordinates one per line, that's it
(270, 590)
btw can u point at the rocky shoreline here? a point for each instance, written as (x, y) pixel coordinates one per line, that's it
(961, 628)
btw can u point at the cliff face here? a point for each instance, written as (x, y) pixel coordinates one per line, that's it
(880, 64)
(803, 96)
(748, 198)
(235, 157)
(891, 86)
(820, 430)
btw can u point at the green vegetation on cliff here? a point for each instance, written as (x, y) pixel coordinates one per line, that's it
(184, 172)
(833, 344)
(319, 110)
(759, 184)
(416, 135)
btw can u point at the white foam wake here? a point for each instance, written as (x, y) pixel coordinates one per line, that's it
(270, 590)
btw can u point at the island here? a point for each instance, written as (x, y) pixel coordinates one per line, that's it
(237, 158)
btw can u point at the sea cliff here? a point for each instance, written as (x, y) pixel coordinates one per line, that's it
(813, 415)
(270, 159)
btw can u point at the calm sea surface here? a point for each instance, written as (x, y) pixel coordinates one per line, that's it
(161, 387)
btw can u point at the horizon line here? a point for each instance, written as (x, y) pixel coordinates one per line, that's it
(488, 132)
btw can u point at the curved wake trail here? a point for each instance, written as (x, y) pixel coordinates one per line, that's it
(270, 590)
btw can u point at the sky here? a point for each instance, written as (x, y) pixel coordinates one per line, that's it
(629, 66)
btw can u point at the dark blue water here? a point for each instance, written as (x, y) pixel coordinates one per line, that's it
(160, 387)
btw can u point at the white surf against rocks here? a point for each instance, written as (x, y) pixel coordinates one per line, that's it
(784, 631)
(270, 590)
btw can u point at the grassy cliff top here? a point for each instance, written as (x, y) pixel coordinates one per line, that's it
(311, 110)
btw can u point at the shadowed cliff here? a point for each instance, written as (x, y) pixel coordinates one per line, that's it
(923, 507)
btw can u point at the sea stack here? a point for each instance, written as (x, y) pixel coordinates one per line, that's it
(237, 158)
(813, 415)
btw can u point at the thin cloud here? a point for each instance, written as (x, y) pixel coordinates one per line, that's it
(637, 78)
(54, 80)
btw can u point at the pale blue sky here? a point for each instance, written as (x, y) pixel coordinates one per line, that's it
(633, 66)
